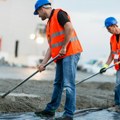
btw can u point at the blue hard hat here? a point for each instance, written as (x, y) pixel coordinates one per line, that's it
(110, 21)
(39, 4)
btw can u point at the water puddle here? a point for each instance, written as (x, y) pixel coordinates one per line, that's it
(83, 115)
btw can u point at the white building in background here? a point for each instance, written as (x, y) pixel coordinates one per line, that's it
(17, 23)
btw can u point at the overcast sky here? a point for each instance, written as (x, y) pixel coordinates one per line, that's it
(18, 22)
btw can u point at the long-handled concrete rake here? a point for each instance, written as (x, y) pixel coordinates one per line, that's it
(4, 95)
(97, 73)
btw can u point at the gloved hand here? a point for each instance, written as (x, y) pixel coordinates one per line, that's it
(103, 69)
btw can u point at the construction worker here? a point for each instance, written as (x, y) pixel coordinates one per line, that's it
(112, 27)
(63, 41)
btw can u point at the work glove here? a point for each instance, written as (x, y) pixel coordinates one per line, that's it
(103, 69)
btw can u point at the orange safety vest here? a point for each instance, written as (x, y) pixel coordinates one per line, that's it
(115, 48)
(56, 36)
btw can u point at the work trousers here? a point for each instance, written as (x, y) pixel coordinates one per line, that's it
(65, 79)
(117, 89)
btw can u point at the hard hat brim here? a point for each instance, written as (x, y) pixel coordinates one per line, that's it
(35, 12)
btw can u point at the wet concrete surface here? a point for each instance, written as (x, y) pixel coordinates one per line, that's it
(85, 115)
(98, 115)
(22, 73)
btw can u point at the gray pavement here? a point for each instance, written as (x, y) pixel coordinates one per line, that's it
(23, 73)
(89, 115)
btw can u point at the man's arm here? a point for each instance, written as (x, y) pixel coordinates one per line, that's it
(110, 59)
(47, 56)
(68, 29)
(45, 60)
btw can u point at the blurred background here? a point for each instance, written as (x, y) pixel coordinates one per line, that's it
(22, 35)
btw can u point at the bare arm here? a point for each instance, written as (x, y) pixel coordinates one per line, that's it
(45, 60)
(68, 29)
(110, 59)
(47, 56)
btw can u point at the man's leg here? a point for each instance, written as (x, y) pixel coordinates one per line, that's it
(69, 74)
(117, 88)
(58, 88)
(116, 107)
(57, 93)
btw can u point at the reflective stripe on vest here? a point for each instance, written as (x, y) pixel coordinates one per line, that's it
(55, 35)
(61, 43)
(113, 52)
(118, 51)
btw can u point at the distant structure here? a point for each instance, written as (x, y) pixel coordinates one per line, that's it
(23, 37)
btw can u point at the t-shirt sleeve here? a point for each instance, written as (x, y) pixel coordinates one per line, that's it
(62, 18)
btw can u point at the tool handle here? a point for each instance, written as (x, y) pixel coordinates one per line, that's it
(3, 96)
(97, 73)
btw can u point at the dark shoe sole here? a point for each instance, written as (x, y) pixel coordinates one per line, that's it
(45, 114)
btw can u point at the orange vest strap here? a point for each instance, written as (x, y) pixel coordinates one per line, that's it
(115, 48)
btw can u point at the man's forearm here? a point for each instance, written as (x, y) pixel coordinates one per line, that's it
(68, 33)
(47, 56)
(110, 59)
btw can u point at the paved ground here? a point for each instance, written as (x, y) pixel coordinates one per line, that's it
(36, 93)
(88, 115)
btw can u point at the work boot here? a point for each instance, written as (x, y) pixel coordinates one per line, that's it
(115, 108)
(45, 113)
(64, 118)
